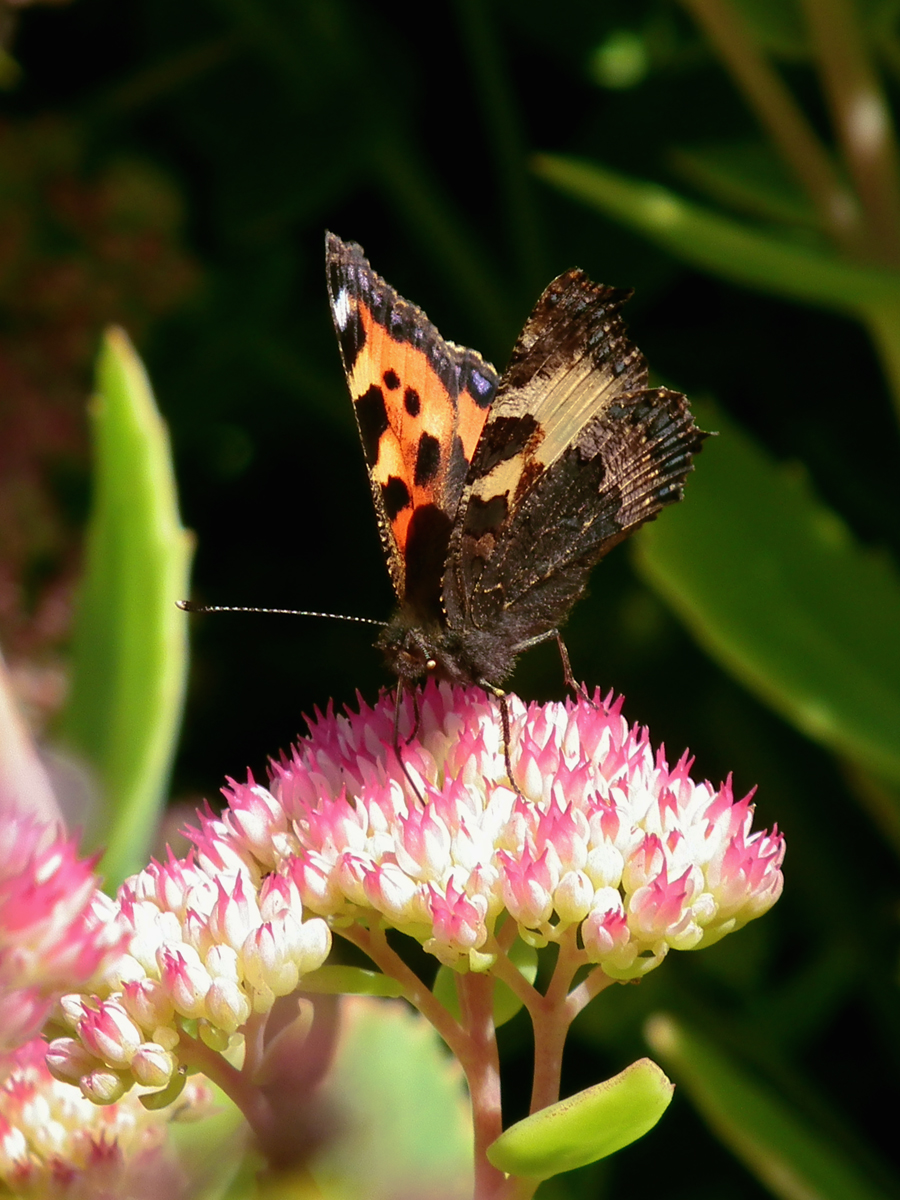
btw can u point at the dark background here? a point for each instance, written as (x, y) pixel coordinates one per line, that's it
(173, 167)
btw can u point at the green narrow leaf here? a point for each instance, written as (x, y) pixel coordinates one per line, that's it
(774, 1143)
(130, 642)
(586, 1127)
(748, 177)
(731, 249)
(772, 584)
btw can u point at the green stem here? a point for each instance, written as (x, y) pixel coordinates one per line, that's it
(401, 176)
(784, 121)
(862, 119)
(163, 77)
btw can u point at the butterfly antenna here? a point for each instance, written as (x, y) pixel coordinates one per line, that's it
(191, 607)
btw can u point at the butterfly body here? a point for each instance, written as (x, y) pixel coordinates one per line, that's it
(495, 496)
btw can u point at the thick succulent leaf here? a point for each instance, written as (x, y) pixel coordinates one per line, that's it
(774, 586)
(586, 1127)
(398, 1107)
(789, 1157)
(130, 644)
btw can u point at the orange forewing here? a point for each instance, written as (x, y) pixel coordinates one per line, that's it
(437, 414)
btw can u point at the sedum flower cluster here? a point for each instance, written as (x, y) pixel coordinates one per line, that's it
(598, 834)
(56, 1143)
(56, 928)
(209, 944)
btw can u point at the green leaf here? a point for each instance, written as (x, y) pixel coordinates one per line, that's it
(506, 1002)
(748, 177)
(787, 1156)
(130, 643)
(773, 585)
(585, 1127)
(397, 1109)
(740, 252)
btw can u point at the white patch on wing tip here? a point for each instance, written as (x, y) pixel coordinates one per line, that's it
(341, 309)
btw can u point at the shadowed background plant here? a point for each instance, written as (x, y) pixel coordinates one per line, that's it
(173, 170)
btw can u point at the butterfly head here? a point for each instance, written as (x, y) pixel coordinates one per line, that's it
(414, 650)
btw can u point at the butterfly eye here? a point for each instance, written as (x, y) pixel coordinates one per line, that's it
(430, 665)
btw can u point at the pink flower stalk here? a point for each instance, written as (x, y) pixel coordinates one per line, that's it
(55, 1143)
(57, 930)
(602, 836)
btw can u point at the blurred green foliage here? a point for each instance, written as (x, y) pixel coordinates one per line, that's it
(174, 168)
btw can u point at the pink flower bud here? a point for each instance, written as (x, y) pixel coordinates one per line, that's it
(110, 1034)
(186, 980)
(105, 1086)
(227, 1006)
(153, 1066)
(67, 1060)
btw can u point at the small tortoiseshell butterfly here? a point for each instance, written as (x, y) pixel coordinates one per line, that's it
(496, 495)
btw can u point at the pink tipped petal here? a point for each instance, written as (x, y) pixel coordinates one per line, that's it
(110, 1034)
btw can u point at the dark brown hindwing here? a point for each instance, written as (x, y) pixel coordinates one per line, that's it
(597, 454)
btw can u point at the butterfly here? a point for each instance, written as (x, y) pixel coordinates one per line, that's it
(496, 494)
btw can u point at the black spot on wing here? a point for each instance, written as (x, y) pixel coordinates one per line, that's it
(391, 380)
(412, 402)
(426, 552)
(501, 439)
(373, 421)
(428, 459)
(485, 516)
(458, 368)
(395, 495)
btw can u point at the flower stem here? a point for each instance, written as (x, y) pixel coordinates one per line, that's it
(551, 1019)
(374, 943)
(862, 118)
(784, 121)
(481, 1064)
(582, 995)
(234, 1083)
(510, 974)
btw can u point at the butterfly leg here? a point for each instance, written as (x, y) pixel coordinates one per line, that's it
(500, 696)
(398, 749)
(570, 681)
